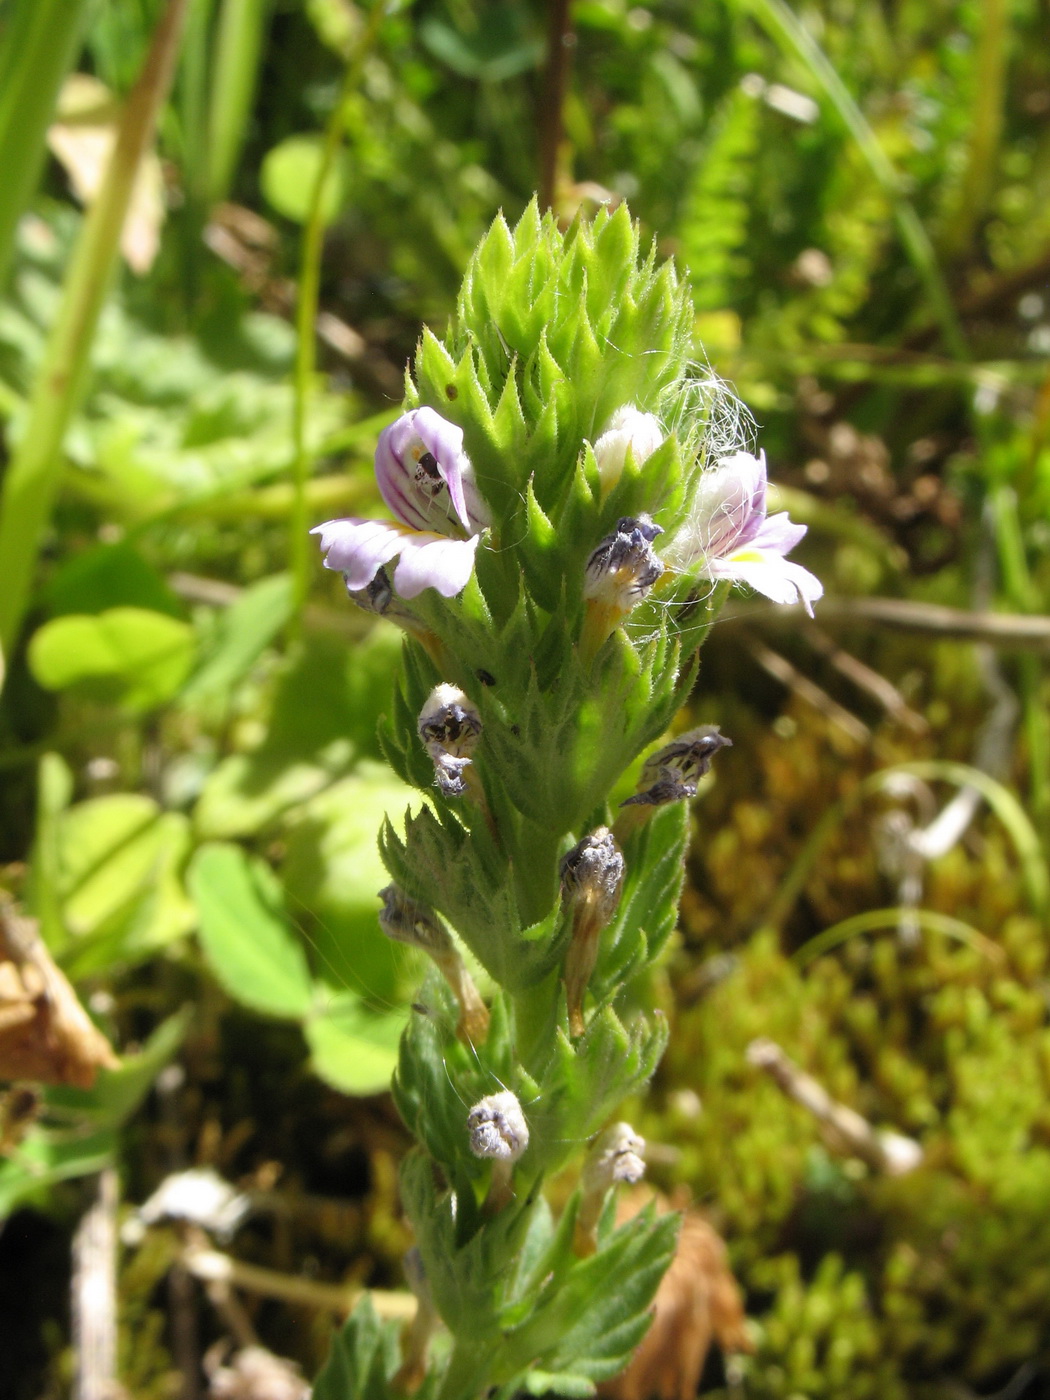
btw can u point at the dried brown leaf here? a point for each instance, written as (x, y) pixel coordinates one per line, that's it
(45, 1033)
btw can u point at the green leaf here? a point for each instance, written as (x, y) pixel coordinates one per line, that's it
(434, 1080)
(364, 1355)
(354, 1049)
(332, 873)
(582, 1326)
(247, 627)
(54, 790)
(648, 908)
(583, 1083)
(499, 46)
(325, 713)
(120, 859)
(109, 576)
(45, 1158)
(117, 1093)
(248, 792)
(131, 654)
(289, 173)
(245, 934)
(557, 1383)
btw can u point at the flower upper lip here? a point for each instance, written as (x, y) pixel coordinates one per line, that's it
(425, 477)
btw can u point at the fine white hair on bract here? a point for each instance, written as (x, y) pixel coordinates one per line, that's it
(704, 411)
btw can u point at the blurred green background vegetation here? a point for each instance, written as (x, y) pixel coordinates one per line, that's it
(190, 781)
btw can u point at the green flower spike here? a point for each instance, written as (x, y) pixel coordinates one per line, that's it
(553, 449)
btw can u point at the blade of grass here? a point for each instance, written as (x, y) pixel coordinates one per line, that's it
(40, 44)
(985, 128)
(235, 74)
(873, 920)
(1023, 595)
(999, 798)
(192, 99)
(32, 478)
(306, 314)
(785, 27)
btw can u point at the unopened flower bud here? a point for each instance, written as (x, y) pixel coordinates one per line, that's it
(450, 726)
(497, 1127)
(619, 575)
(408, 921)
(673, 772)
(591, 881)
(499, 1132)
(628, 428)
(615, 1157)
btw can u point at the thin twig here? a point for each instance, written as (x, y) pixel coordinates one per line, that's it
(842, 1127)
(866, 679)
(1013, 630)
(989, 295)
(94, 1295)
(212, 1266)
(782, 670)
(559, 44)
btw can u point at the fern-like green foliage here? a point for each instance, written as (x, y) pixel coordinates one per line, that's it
(716, 210)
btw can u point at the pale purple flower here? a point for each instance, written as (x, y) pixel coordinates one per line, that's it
(427, 480)
(729, 532)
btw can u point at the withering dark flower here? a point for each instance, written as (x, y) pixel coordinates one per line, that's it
(618, 576)
(450, 726)
(674, 771)
(408, 921)
(376, 596)
(591, 880)
(592, 874)
(624, 567)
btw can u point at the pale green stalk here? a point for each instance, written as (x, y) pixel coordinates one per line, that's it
(301, 547)
(789, 31)
(40, 45)
(35, 471)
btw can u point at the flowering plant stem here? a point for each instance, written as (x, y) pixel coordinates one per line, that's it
(33, 475)
(569, 509)
(39, 45)
(309, 285)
